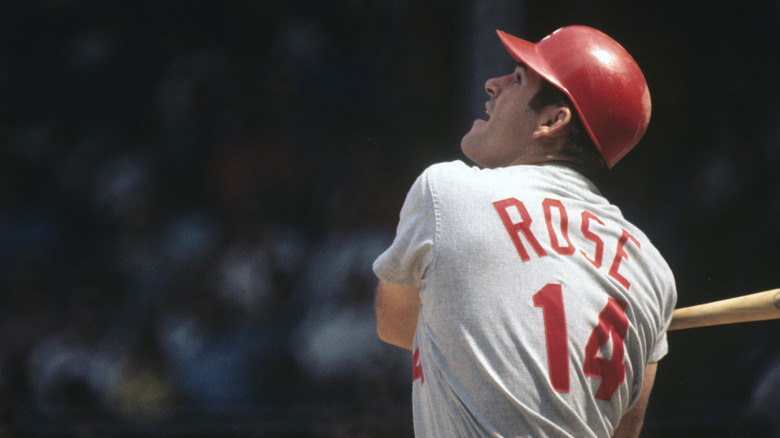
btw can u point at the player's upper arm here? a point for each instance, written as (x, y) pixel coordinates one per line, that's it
(397, 309)
(631, 423)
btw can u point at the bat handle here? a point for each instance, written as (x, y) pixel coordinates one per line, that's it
(754, 307)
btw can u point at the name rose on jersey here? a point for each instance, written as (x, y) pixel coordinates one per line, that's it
(517, 221)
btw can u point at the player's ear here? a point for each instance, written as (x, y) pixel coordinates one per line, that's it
(553, 121)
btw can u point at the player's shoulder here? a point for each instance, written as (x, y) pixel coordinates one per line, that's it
(450, 167)
(450, 174)
(458, 177)
(460, 170)
(652, 256)
(459, 167)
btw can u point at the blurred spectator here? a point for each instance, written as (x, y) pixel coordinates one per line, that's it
(223, 334)
(207, 351)
(70, 370)
(142, 387)
(335, 344)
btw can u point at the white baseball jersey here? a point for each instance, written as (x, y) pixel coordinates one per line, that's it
(541, 305)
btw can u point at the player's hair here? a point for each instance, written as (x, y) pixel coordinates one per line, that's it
(578, 145)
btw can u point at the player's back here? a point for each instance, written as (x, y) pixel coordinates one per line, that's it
(540, 308)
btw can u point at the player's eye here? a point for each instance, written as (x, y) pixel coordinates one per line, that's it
(518, 78)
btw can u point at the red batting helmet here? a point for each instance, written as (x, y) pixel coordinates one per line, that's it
(600, 77)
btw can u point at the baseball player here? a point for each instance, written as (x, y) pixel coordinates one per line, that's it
(530, 305)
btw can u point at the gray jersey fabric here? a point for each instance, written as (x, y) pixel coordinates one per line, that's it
(541, 304)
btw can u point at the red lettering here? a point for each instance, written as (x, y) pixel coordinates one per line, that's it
(550, 299)
(548, 205)
(515, 229)
(621, 254)
(417, 369)
(613, 325)
(598, 253)
(517, 222)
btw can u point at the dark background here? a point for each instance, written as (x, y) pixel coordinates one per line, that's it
(192, 194)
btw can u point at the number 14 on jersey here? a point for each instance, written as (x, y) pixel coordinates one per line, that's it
(612, 324)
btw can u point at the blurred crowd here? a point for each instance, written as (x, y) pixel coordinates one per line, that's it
(191, 203)
(192, 194)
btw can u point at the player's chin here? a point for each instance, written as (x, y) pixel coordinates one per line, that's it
(476, 129)
(478, 125)
(470, 144)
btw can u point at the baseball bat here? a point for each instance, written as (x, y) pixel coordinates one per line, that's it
(759, 306)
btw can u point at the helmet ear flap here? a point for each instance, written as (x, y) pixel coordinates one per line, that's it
(599, 76)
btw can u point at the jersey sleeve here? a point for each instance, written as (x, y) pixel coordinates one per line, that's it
(668, 305)
(410, 256)
(661, 349)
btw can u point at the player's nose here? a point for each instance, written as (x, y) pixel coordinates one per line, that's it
(493, 87)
